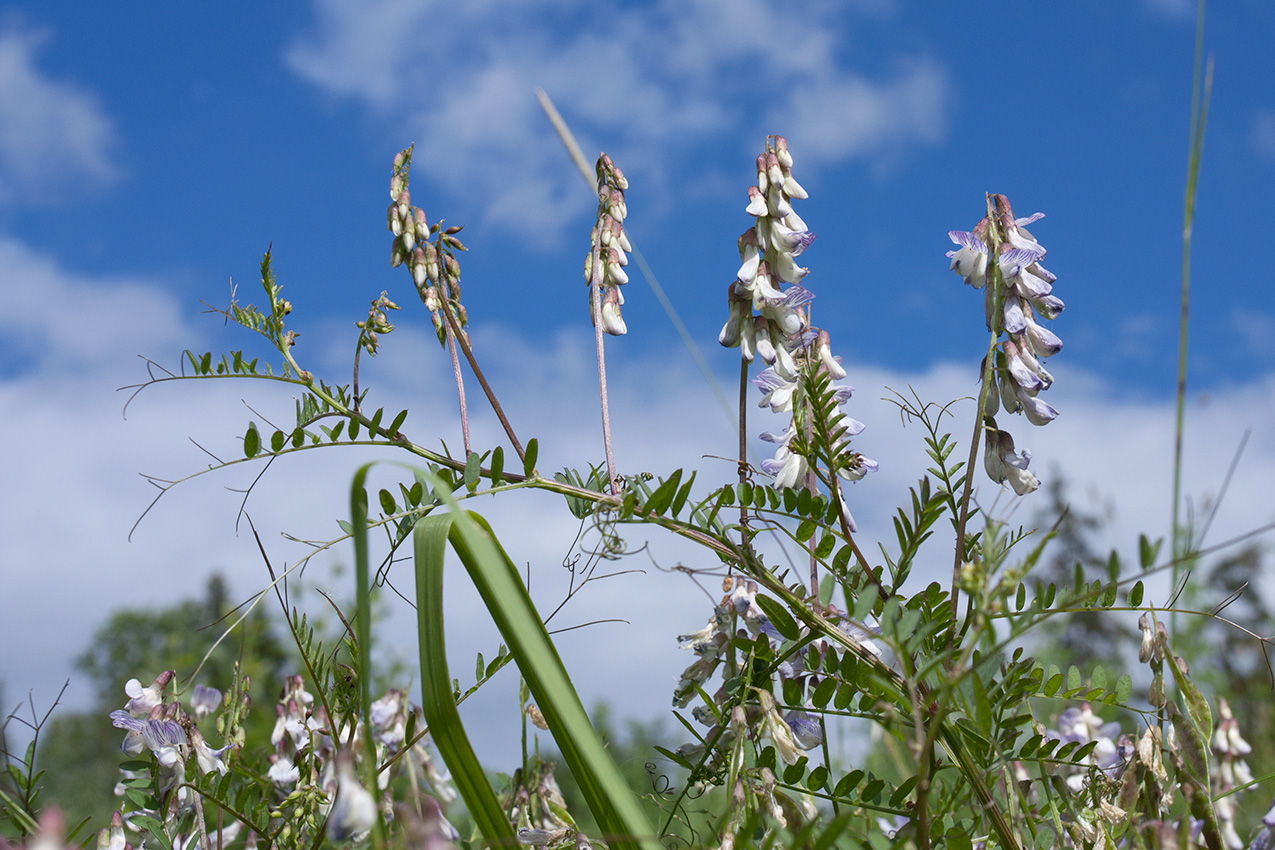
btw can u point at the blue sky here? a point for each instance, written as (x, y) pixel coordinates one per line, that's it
(149, 156)
(205, 134)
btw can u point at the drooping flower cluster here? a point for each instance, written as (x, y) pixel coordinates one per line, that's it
(315, 769)
(1017, 292)
(1080, 725)
(608, 242)
(162, 728)
(433, 265)
(1233, 772)
(772, 321)
(294, 731)
(793, 731)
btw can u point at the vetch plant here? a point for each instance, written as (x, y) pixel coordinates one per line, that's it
(981, 743)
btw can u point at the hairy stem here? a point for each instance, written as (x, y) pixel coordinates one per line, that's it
(989, 365)
(595, 306)
(743, 447)
(460, 385)
(468, 351)
(358, 350)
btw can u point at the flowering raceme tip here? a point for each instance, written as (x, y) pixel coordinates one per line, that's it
(1002, 257)
(769, 317)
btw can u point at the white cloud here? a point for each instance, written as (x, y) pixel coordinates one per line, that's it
(53, 133)
(74, 461)
(660, 86)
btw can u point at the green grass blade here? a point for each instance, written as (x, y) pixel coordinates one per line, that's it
(429, 540)
(613, 804)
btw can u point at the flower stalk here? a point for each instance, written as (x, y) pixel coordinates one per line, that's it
(604, 272)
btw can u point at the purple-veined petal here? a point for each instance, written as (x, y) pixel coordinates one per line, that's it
(1019, 370)
(1038, 412)
(1014, 260)
(1015, 322)
(1048, 306)
(805, 727)
(1041, 341)
(853, 426)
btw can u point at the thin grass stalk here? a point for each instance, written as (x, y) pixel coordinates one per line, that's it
(1201, 88)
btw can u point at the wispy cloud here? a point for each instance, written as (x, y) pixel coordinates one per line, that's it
(1262, 137)
(661, 86)
(52, 132)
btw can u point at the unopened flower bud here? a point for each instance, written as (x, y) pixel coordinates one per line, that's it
(537, 719)
(781, 152)
(431, 262)
(616, 205)
(422, 227)
(419, 271)
(397, 253)
(400, 158)
(793, 189)
(615, 268)
(621, 182)
(396, 186)
(1148, 640)
(823, 345)
(404, 203)
(774, 173)
(612, 321)
(392, 222)
(763, 182)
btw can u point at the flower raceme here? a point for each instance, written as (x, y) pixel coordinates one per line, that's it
(770, 317)
(610, 245)
(1002, 257)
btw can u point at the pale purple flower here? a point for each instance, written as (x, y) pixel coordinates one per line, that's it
(777, 392)
(204, 700)
(283, 771)
(806, 730)
(970, 262)
(1006, 466)
(208, 759)
(353, 810)
(142, 700)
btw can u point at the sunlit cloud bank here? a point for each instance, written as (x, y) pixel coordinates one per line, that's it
(665, 84)
(75, 461)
